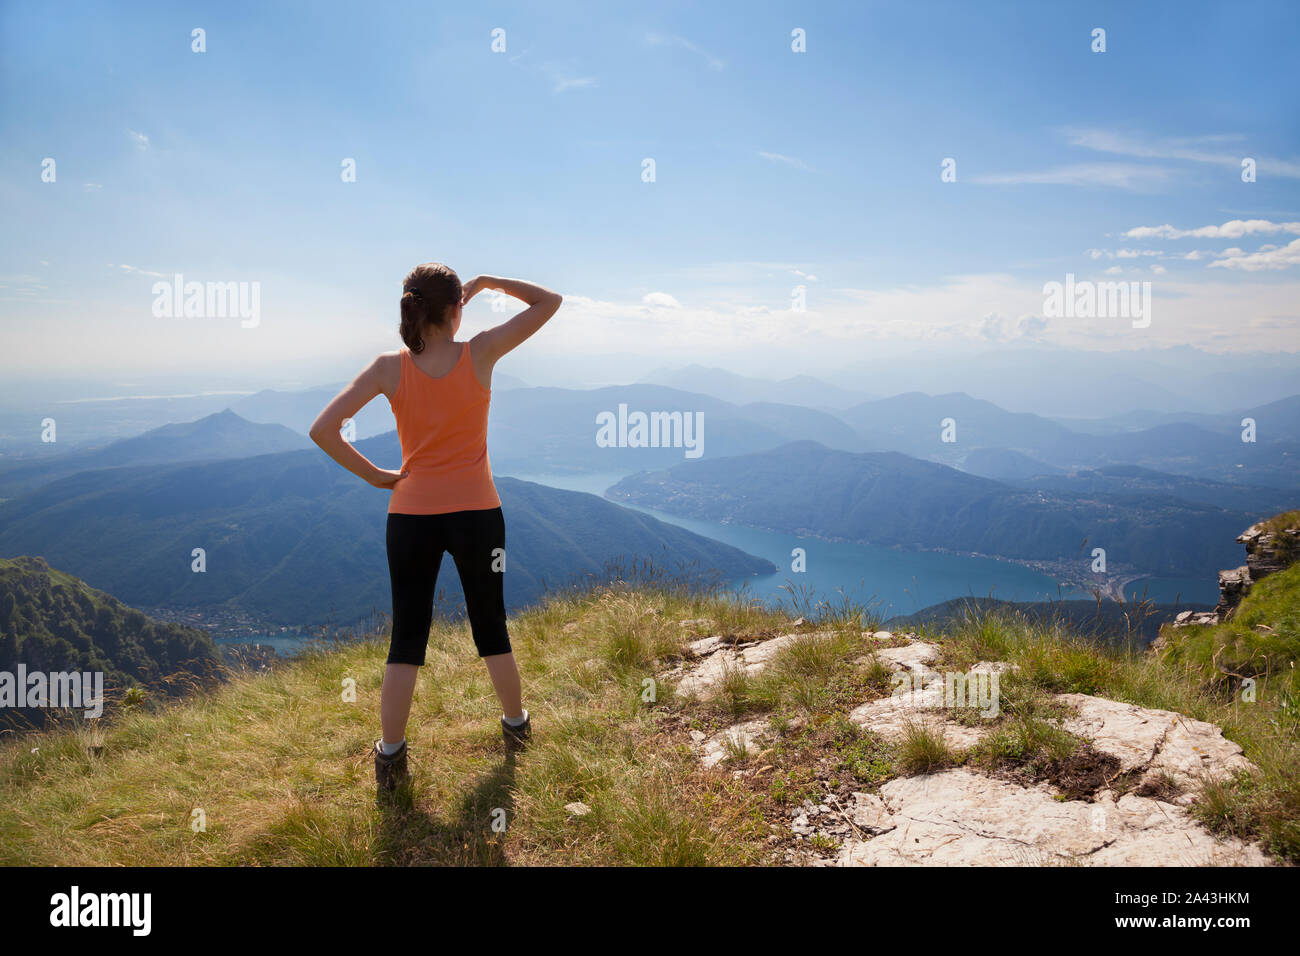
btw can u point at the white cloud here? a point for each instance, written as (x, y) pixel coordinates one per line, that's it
(661, 300)
(1186, 312)
(1268, 257)
(1121, 253)
(996, 327)
(140, 139)
(1233, 229)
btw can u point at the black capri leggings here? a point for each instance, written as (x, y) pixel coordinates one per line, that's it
(477, 541)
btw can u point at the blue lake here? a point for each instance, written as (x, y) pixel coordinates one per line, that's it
(285, 645)
(891, 582)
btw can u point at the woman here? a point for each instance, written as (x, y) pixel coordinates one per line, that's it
(443, 498)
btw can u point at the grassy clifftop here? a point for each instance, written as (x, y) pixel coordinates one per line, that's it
(273, 767)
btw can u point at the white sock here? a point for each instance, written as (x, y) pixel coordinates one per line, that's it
(516, 721)
(388, 749)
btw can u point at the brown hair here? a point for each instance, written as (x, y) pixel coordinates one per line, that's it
(427, 292)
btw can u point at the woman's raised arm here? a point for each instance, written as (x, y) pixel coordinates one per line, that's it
(542, 304)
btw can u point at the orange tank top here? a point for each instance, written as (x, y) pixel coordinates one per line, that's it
(442, 425)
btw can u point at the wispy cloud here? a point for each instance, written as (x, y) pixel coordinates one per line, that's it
(140, 139)
(714, 63)
(562, 84)
(741, 273)
(144, 272)
(1209, 149)
(1114, 175)
(793, 161)
(562, 76)
(1121, 253)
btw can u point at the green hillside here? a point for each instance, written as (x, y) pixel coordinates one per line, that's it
(53, 622)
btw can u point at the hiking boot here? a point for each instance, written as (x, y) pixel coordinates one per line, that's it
(516, 738)
(390, 772)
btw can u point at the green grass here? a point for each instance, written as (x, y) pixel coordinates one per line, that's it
(278, 761)
(1026, 741)
(923, 750)
(1287, 546)
(1259, 641)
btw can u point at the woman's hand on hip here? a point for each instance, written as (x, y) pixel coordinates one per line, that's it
(384, 478)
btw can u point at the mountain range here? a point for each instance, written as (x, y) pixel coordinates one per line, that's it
(918, 424)
(890, 499)
(222, 435)
(804, 390)
(554, 429)
(294, 538)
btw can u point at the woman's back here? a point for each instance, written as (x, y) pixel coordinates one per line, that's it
(442, 425)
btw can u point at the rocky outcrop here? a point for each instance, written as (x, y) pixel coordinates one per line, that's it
(1271, 546)
(1233, 586)
(1161, 748)
(959, 817)
(711, 660)
(1270, 549)
(737, 740)
(1137, 815)
(719, 659)
(923, 705)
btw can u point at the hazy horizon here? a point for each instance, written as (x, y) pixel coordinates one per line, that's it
(1256, 377)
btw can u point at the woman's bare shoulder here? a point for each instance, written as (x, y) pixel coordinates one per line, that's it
(387, 369)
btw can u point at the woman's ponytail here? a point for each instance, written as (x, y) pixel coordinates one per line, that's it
(427, 294)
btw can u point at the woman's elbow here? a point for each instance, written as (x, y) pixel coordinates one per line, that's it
(318, 432)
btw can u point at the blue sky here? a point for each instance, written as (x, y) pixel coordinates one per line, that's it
(773, 169)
